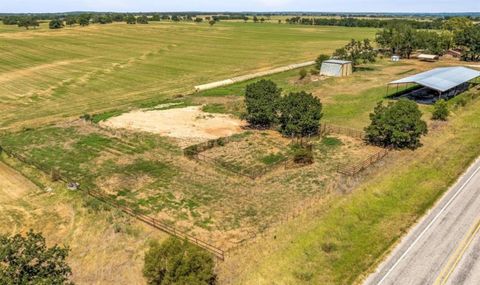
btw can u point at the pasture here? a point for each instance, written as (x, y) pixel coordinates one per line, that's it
(49, 75)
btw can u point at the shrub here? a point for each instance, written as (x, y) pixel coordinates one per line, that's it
(300, 114)
(262, 101)
(398, 125)
(303, 73)
(177, 262)
(440, 110)
(320, 59)
(302, 154)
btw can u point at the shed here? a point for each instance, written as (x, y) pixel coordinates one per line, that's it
(395, 58)
(427, 57)
(335, 67)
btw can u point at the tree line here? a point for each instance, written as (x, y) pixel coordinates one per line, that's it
(366, 23)
(461, 33)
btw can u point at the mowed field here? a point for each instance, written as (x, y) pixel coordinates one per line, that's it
(47, 74)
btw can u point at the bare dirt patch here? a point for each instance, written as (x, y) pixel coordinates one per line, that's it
(188, 125)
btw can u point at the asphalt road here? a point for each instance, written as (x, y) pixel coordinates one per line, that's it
(444, 247)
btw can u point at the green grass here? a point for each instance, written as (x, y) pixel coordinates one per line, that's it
(349, 236)
(273, 158)
(102, 68)
(214, 108)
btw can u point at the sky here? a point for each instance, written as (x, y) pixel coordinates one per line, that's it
(33, 6)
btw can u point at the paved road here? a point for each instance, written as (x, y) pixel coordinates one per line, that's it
(444, 247)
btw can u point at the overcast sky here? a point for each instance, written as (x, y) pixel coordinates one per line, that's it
(19, 6)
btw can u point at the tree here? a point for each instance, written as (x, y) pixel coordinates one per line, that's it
(398, 125)
(320, 59)
(142, 19)
(131, 20)
(300, 114)
(469, 40)
(118, 17)
(177, 262)
(27, 260)
(212, 22)
(155, 18)
(84, 20)
(27, 22)
(262, 101)
(399, 38)
(56, 24)
(70, 21)
(262, 20)
(255, 19)
(245, 19)
(175, 18)
(198, 19)
(357, 52)
(457, 24)
(440, 110)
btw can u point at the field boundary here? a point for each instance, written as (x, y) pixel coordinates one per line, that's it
(247, 77)
(352, 170)
(173, 231)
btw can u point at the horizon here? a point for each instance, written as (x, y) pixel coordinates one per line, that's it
(247, 6)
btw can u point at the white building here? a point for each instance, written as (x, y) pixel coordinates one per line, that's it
(337, 68)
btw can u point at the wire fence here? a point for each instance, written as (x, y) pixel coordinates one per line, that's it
(333, 129)
(171, 230)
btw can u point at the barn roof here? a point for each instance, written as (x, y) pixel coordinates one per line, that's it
(337, 61)
(441, 79)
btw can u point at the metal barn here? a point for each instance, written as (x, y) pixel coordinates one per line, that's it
(337, 68)
(439, 83)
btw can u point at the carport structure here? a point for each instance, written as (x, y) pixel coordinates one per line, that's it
(438, 83)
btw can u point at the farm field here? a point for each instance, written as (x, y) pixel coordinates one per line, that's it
(318, 219)
(50, 75)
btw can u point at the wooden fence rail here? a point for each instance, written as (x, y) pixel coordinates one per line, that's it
(219, 253)
(352, 170)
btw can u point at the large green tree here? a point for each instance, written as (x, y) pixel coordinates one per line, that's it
(262, 101)
(56, 24)
(357, 51)
(28, 260)
(142, 19)
(300, 114)
(130, 19)
(84, 20)
(178, 262)
(27, 22)
(397, 125)
(469, 40)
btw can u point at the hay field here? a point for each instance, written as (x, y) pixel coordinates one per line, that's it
(48, 75)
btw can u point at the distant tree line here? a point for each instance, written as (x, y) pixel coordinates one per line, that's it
(366, 23)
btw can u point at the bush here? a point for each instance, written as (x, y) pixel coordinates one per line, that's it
(177, 262)
(262, 101)
(440, 110)
(320, 59)
(300, 114)
(303, 73)
(398, 125)
(302, 154)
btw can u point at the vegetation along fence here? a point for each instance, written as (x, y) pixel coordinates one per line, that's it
(354, 169)
(327, 129)
(171, 230)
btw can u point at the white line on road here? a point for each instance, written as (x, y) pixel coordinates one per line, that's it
(428, 226)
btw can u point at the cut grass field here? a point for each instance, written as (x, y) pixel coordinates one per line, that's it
(49, 75)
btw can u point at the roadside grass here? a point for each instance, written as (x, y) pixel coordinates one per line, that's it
(348, 235)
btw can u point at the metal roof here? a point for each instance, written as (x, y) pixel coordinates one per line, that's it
(441, 79)
(337, 61)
